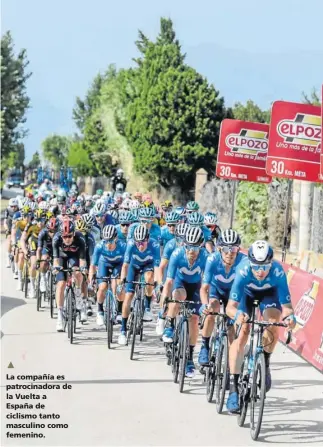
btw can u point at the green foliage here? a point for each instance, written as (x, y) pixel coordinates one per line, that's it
(35, 161)
(55, 149)
(251, 211)
(250, 112)
(314, 98)
(14, 103)
(78, 157)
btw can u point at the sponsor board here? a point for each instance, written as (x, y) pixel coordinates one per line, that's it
(307, 300)
(242, 151)
(294, 147)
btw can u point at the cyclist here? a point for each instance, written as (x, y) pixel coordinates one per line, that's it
(146, 217)
(138, 196)
(101, 217)
(258, 276)
(196, 219)
(9, 213)
(184, 275)
(29, 241)
(68, 250)
(180, 231)
(168, 230)
(108, 257)
(45, 249)
(211, 222)
(142, 255)
(191, 207)
(125, 220)
(220, 271)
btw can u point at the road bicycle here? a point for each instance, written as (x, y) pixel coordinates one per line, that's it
(110, 310)
(25, 275)
(181, 341)
(252, 379)
(135, 324)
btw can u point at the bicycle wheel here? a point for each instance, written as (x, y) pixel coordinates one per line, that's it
(134, 327)
(257, 398)
(183, 348)
(244, 394)
(221, 373)
(210, 372)
(70, 323)
(51, 293)
(26, 280)
(38, 293)
(109, 317)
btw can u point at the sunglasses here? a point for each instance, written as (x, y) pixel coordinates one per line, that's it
(146, 220)
(257, 268)
(68, 236)
(110, 241)
(192, 248)
(125, 225)
(232, 249)
(99, 216)
(141, 244)
(171, 225)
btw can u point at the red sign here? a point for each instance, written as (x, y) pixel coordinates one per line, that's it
(294, 141)
(242, 151)
(307, 300)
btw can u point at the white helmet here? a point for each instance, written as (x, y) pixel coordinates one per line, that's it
(229, 237)
(13, 202)
(260, 252)
(99, 208)
(135, 204)
(120, 172)
(33, 206)
(126, 195)
(141, 233)
(43, 205)
(126, 204)
(194, 236)
(53, 202)
(96, 197)
(109, 232)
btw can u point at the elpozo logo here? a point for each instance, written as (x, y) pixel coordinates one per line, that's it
(303, 129)
(248, 142)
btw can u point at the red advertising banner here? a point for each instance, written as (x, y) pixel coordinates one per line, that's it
(307, 299)
(294, 141)
(242, 151)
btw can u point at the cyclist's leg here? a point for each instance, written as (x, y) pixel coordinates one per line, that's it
(193, 294)
(214, 305)
(271, 310)
(130, 289)
(21, 261)
(9, 245)
(149, 277)
(119, 295)
(60, 287)
(43, 267)
(33, 267)
(179, 293)
(103, 270)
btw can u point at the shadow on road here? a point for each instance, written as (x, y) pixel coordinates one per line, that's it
(8, 303)
(296, 432)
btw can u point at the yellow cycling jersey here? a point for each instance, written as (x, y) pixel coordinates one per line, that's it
(160, 221)
(32, 229)
(21, 224)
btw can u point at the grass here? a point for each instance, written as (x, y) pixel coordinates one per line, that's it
(4, 204)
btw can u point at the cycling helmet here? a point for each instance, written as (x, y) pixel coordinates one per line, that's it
(13, 203)
(195, 218)
(96, 197)
(125, 217)
(70, 212)
(147, 213)
(99, 208)
(99, 192)
(228, 237)
(67, 227)
(89, 220)
(194, 236)
(33, 206)
(172, 217)
(30, 195)
(114, 214)
(64, 210)
(81, 226)
(141, 233)
(126, 204)
(260, 253)
(109, 232)
(210, 219)
(49, 214)
(39, 214)
(166, 205)
(126, 195)
(43, 205)
(52, 224)
(181, 229)
(53, 202)
(26, 210)
(134, 204)
(120, 172)
(192, 206)
(81, 200)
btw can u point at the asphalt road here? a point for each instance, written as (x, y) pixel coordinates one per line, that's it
(9, 193)
(115, 401)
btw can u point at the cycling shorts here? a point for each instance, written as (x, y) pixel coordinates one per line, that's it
(68, 262)
(192, 292)
(267, 299)
(219, 294)
(107, 269)
(134, 270)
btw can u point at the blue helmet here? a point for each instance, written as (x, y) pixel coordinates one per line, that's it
(147, 213)
(195, 218)
(125, 217)
(172, 217)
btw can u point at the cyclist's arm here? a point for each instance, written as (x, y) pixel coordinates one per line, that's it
(284, 295)
(23, 241)
(209, 246)
(236, 293)
(162, 268)
(82, 253)
(56, 243)
(171, 272)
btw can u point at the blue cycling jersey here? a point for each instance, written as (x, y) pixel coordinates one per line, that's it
(141, 258)
(121, 236)
(246, 283)
(166, 236)
(207, 233)
(154, 231)
(102, 254)
(215, 272)
(169, 248)
(180, 267)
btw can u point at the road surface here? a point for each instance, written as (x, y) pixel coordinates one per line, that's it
(115, 401)
(9, 193)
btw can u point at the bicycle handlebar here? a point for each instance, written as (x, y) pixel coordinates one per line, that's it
(183, 303)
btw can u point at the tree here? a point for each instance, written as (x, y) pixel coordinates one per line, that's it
(35, 161)
(55, 149)
(14, 102)
(78, 157)
(313, 98)
(250, 112)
